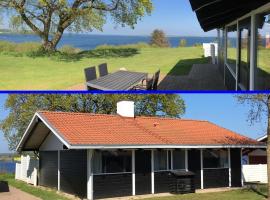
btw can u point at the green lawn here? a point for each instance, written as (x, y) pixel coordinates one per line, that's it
(43, 73)
(258, 193)
(38, 192)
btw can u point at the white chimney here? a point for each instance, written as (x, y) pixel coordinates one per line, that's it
(125, 108)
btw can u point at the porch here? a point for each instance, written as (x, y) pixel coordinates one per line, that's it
(123, 173)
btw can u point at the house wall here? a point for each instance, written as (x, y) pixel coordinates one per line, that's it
(48, 163)
(112, 185)
(73, 174)
(51, 143)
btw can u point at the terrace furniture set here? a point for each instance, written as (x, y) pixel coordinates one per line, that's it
(119, 80)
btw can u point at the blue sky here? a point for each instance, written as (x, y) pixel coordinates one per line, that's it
(175, 17)
(221, 109)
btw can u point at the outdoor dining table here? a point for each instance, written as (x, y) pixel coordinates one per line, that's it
(119, 80)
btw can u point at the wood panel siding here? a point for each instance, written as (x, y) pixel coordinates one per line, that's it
(73, 178)
(48, 168)
(143, 172)
(112, 185)
(163, 180)
(230, 81)
(214, 178)
(194, 165)
(236, 167)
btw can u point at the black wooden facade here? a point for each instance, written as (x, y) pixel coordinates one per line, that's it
(73, 175)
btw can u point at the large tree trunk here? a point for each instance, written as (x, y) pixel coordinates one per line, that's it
(268, 146)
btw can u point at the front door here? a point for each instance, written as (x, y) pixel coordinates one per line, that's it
(143, 172)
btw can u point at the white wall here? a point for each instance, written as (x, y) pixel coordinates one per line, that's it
(27, 170)
(255, 173)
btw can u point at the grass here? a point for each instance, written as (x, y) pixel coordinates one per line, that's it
(35, 191)
(257, 193)
(22, 72)
(242, 194)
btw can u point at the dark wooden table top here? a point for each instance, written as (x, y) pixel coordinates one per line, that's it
(120, 80)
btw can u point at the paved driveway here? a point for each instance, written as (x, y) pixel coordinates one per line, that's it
(15, 194)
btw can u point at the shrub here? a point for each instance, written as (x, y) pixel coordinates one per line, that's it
(197, 45)
(182, 43)
(20, 48)
(67, 49)
(27, 47)
(158, 39)
(139, 45)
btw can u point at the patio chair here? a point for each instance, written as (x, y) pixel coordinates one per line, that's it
(90, 74)
(155, 81)
(103, 69)
(148, 83)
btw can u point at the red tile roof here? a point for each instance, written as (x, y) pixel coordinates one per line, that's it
(98, 129)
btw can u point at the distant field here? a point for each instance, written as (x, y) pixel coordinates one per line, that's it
(43, 73)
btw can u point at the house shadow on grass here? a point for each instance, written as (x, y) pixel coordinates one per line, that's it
(183, 67)
(4, 186)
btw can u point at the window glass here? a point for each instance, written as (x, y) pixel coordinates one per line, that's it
(160, 158)
(244, 66)
(263, 53)
(111, 162)
(178, 159)
(231, 47)
(215, 158)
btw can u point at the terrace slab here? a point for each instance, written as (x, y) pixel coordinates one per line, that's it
(16, 194)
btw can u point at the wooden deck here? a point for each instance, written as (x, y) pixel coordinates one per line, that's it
(202, 77)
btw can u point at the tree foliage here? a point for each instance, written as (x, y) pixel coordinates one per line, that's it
(159, 39)
(50, 18)
(182, 43)
(259, 107)
(22, 108)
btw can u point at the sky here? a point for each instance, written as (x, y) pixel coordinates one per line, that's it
(221, 109)
(175, 17)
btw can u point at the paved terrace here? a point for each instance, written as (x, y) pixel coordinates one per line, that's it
(201, 77)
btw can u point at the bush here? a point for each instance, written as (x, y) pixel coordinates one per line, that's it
(139, 45)
(197, 45)
(158, 39)
(67, 49)
(182, 43)
(25, 47)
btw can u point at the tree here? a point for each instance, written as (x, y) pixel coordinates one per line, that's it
(22, 108)
(50, 18)
(259, 107)
(158, 38)
(182, 43)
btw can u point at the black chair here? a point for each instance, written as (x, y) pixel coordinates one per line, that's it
(148, 83)
(103, 69)
(90, 74)
(155, 80)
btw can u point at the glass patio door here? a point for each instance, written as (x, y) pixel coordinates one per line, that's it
(244, 54)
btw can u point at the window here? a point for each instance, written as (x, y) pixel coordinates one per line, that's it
(215, 158)
(111, 162)
(244, 44)
(179, 159)
(160, 158)
(263, 52)
(231, 48)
